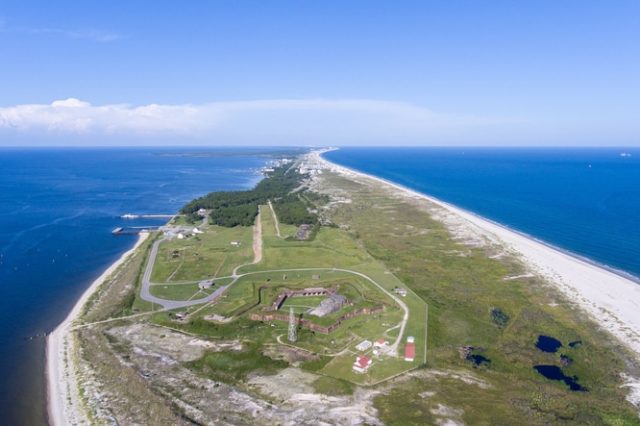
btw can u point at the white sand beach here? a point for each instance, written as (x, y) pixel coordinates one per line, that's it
(612, 300)
(64, 405)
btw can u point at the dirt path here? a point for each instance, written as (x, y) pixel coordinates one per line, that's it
(275, 219)
(257, 238)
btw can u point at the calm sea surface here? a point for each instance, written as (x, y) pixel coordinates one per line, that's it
(583, 200)
(57, 210)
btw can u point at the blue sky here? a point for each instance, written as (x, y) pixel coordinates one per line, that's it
(320, 73)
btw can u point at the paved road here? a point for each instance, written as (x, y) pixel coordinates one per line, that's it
(145, 292)
(175, 304)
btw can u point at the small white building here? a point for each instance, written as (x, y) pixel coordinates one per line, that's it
(400, 291)
(364, 345)
(235, 243)
(362, 364)
(181, 236)
(202, 212)
(380, 343)
(204, 284)
(197, 231)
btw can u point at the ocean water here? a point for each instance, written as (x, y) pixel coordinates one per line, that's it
(57, 210)
(583, 200)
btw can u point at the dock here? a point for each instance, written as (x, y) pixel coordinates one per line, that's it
(148, 216)
(132, 230)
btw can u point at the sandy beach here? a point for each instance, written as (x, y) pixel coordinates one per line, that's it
(612, 300)
(64, 405)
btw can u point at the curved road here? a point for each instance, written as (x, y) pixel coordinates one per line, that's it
(145, 292)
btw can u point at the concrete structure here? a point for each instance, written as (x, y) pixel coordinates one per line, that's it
(364, 345)
(202, 213)
(305, 292)
(293, 332)
(331, 304)
(235, 243)
(324, 329)
(196, 231)
(303, 232)
(362, 364)
(204, 284)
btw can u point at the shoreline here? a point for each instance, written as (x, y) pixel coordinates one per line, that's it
(62, 398)
(621, 273)
(610, 297)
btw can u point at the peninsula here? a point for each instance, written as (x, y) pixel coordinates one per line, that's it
(327, 296)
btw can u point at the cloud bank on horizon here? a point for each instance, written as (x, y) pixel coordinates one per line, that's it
(254, 122)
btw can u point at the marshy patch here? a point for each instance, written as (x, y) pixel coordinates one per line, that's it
(499, 317)
(565, 360)
(575, 344)
(472, 354)
(548, 344)
(553, 372)
(479, 360)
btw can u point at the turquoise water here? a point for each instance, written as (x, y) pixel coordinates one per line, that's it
(57, 210)
(584, 200)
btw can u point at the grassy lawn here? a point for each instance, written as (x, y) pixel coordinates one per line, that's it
(203, 256)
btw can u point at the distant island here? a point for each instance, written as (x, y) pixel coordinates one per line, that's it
(327, 288)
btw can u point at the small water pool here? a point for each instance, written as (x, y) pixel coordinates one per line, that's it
(553, 372)
(548, 344)
(478, 360)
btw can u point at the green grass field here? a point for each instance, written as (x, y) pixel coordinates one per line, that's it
(203, 256)
(331, 248)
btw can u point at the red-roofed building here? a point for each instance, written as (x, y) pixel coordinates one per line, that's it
(410, 351)
(362, 364)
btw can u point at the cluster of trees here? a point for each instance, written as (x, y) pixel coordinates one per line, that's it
(294, 211)
(233, 208)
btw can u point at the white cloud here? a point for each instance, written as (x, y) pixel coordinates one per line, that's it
(278, 121)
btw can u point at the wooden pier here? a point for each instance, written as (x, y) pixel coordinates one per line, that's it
(132, 230)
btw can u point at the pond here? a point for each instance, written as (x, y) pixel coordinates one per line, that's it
(478, 360)
(548, 344)
(553, 372)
